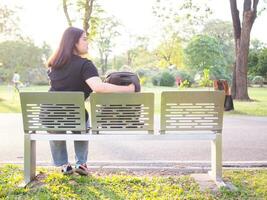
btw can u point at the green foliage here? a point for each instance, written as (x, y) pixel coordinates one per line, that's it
(8, 22)
(184, 75)
(205, 79)
(183, 17)
(219, 72)
(164, 78)
(203, 52)
(167, 79)
(258, 80)
(106, 33)
(262, 63)
(23, 57)
(170, 52)
(257, 59)
(156, 79)
(250, 184)
(185, 84)
(223, 32)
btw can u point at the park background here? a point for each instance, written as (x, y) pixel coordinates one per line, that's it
(170, 45)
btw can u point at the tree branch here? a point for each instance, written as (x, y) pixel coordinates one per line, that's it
(65, 8)
(235, 19)
(255, 4)
(247, 5)
(88, 8)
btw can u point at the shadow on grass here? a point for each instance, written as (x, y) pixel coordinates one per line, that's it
(15, 108)
(57, 186)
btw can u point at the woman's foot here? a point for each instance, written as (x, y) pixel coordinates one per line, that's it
(82, 169)
(66, 169)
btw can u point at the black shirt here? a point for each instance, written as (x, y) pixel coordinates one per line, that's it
(72, 76)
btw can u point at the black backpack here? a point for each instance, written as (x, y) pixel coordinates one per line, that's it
(124, 78)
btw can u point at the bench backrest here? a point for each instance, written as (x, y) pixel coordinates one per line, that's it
(122, 111)
(191, 110)
(53, 111)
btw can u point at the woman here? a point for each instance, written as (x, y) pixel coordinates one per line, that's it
(68, 71)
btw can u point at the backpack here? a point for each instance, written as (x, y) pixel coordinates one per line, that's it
(124, 78)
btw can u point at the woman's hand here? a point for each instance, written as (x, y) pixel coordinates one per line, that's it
(96, 84)
(131, 87)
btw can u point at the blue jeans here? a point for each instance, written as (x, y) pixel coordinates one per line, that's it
(60, 154)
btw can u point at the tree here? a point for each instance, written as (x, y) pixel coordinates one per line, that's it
(183, 17)
(204, 52)
(262, 63)
(8, 22)
(170, 52)
(139, 56)
(23, 57)
(107, 31)
(223, 32)
(84, 9)
(242, 40)
(256, 49)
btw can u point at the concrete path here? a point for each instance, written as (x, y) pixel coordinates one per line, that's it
(244, 140)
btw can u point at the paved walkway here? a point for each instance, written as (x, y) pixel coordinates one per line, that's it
(244, 139)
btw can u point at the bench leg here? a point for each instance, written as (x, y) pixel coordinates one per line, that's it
(216, 158)
(29, 159)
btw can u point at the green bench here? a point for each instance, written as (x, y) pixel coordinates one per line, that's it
(185, 115)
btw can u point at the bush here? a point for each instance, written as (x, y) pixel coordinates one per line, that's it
(167, 79)
(258, 80)
(185, 84)
(184, 75)
(37, 76)
(142, 72)
(156, 80)
(205, 79)
(217, 72)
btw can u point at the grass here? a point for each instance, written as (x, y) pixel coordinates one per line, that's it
(53, 185)
(9, 100)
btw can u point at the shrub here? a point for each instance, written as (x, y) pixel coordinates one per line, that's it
(142, 72)
(184, 75)
(143, 80)
(258, 80)
(185, 84)
(205, 79)
(156, 80)
(167, 79)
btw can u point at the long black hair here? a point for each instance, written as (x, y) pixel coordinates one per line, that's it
(66, 48)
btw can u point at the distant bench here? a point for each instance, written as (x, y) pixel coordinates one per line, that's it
(185, 115)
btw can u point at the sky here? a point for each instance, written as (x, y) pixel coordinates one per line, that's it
(45, 20)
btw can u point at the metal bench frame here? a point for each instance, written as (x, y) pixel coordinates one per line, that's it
(116, 116)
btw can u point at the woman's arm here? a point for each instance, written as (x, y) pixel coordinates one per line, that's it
(96, 84)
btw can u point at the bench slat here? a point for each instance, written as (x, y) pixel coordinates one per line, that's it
(191, 110)
(53, 111)
(122, 112)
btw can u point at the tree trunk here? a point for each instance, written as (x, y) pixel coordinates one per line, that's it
(102, 62)
(129, 58)
(88, 8)
(105, 64)
(65, 9)
(242, 59)
(242, 40)
(233, 88)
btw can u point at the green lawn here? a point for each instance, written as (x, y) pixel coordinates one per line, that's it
(9, 100)
(53, 185)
